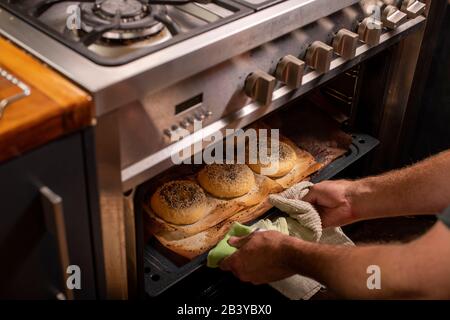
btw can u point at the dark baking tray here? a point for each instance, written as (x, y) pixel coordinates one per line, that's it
(162, 269)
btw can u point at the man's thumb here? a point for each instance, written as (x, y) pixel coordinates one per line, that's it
(310, 197)
(237, 242)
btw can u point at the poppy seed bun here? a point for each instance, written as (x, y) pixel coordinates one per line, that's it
(227, 180)
(179, 202)
(287, 160)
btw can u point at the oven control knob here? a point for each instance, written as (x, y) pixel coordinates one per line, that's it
(413, 8)
(369, 31)
(184, 124)
(190, 120)
(319, 56)
(205, 113)
(259, 86)
(345, 43)
(392, 17)
(290, 71)
(168, 133)
(199, 116)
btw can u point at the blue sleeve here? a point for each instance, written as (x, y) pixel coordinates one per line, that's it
(445, 217)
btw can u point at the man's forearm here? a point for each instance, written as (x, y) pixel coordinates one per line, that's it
(423, 188)
(407, 271)
(342, 269)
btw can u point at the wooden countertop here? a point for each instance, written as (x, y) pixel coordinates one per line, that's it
(55, 106)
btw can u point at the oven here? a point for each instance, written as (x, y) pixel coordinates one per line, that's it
(358, 63)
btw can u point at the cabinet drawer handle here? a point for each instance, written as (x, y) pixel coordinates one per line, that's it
(22, 86)
(54, 217)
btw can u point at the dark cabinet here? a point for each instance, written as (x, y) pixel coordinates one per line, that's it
(48, 221)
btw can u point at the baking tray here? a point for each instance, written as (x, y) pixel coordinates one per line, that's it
(163, 269)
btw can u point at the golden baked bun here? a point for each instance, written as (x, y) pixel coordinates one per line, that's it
(287, 160)
(179, 202)
(227, 180)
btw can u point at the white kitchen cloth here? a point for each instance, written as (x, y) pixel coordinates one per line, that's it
(303, 222)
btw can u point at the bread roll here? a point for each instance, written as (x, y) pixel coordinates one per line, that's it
(179, 202)
(286, 161)
(227, 180)
(201, 242)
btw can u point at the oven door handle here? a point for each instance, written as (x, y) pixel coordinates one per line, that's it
(54, 218)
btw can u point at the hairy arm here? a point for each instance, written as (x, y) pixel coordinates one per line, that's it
(417, 270)
(423, 188)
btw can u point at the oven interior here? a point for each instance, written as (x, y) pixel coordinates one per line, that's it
(162, 274)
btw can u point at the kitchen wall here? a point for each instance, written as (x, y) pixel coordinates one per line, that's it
(433, 129)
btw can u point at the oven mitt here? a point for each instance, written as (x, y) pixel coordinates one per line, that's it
(223, 249)
(280, 225)
(304, 221)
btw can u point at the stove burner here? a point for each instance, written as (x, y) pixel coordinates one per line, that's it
(127, 8)
(114, 32)
(119, 21)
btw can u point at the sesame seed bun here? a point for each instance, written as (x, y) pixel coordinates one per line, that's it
(227, 180)
(287, 160)
(180, 202)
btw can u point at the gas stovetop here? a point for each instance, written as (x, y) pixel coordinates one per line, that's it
(124, 51)
(114, 32)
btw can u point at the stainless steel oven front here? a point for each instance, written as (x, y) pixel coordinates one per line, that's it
(228, 77)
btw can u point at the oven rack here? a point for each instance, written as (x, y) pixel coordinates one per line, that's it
(160, 273)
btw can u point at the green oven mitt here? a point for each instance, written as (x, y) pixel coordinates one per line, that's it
(223, 249)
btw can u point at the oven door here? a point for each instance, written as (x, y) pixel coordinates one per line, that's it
(324, 118)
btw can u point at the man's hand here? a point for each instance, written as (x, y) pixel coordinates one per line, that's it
(332, 201)
(262, 257)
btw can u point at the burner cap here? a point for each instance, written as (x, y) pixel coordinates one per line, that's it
(137, 20)
(127, 8)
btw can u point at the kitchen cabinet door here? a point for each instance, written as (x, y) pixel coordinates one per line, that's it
(46, 223)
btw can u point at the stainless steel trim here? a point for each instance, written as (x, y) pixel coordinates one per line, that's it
(215, 9)
(156, 163)
(199, 12)
(177, 62)
(54, 216)
(4, 103)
